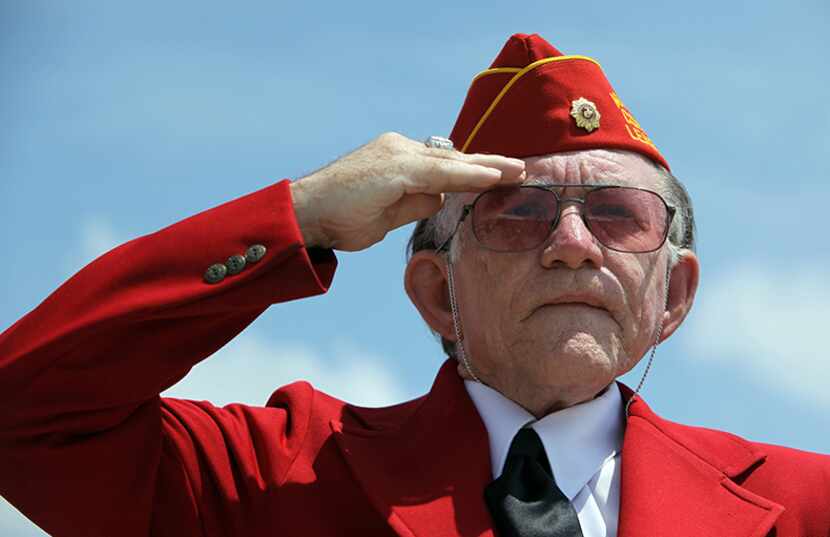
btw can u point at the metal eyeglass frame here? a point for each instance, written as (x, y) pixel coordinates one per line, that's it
(468, 209)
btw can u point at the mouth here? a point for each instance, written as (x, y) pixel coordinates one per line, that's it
(569, 303)
(574, 304)
(579, 301)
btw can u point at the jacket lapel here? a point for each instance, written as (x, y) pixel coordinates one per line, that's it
(426, 476)
(680, 481)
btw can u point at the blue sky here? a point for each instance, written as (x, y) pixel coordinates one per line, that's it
(119, 119)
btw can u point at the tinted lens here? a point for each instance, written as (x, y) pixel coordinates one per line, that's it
(627, 219)
(514, 219)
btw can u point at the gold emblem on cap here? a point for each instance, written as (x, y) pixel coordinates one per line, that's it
(585, 113)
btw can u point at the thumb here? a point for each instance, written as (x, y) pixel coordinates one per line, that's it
(413, 207)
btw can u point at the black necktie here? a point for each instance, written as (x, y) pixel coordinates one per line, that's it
(524, 500)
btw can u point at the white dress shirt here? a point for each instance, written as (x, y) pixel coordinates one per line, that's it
(583, 444)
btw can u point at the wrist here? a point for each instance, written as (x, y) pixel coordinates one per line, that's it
(306, 212)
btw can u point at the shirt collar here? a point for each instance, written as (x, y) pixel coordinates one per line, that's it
(578, 439)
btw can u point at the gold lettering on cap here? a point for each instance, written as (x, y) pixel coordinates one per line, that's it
(632, 126)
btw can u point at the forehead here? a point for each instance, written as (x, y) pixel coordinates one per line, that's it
(596, 166)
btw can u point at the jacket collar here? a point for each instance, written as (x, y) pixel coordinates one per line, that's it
(426, 473)
(686, 478)
(426, 476)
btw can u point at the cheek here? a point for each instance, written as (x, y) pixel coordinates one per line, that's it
(494, 283)
(488, 294)
(645, 295)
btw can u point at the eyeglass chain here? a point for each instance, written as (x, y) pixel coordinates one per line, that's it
(456, 320)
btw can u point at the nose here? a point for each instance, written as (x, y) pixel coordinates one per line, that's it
(571, 244)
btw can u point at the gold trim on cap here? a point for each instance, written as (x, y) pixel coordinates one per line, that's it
(519, 72)
(496, 70)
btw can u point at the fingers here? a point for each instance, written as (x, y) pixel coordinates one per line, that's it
(464, 172)
(481, 171)
(451, 175)
(512, 170)
(510, 167)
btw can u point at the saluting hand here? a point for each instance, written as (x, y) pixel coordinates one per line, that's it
(355, 201)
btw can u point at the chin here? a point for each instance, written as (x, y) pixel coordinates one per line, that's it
(587, 348)
(581, 360)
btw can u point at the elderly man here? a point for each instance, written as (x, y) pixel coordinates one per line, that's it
(547, 275)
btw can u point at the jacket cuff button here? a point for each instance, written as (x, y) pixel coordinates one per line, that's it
(235, 264)
(216, 273)
(255, 253)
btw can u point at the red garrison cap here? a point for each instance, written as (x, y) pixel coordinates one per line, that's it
(533, 100)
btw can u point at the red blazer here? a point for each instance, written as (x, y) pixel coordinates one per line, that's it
(87, 446)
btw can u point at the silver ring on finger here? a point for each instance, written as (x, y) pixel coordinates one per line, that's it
(439, 142)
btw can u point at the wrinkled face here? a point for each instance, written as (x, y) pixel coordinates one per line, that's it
(557, 324)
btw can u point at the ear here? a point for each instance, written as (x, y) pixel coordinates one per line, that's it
(425, 281)
(683, 282)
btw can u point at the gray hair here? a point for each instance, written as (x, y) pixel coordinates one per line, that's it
(430, 233)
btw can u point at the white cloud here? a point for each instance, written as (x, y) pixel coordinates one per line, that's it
(771, 323)
(250, 368)
(96, 236)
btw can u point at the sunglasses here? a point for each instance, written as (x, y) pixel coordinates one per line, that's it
(518, 219)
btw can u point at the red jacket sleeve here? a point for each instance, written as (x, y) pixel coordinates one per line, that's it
(87, 446)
